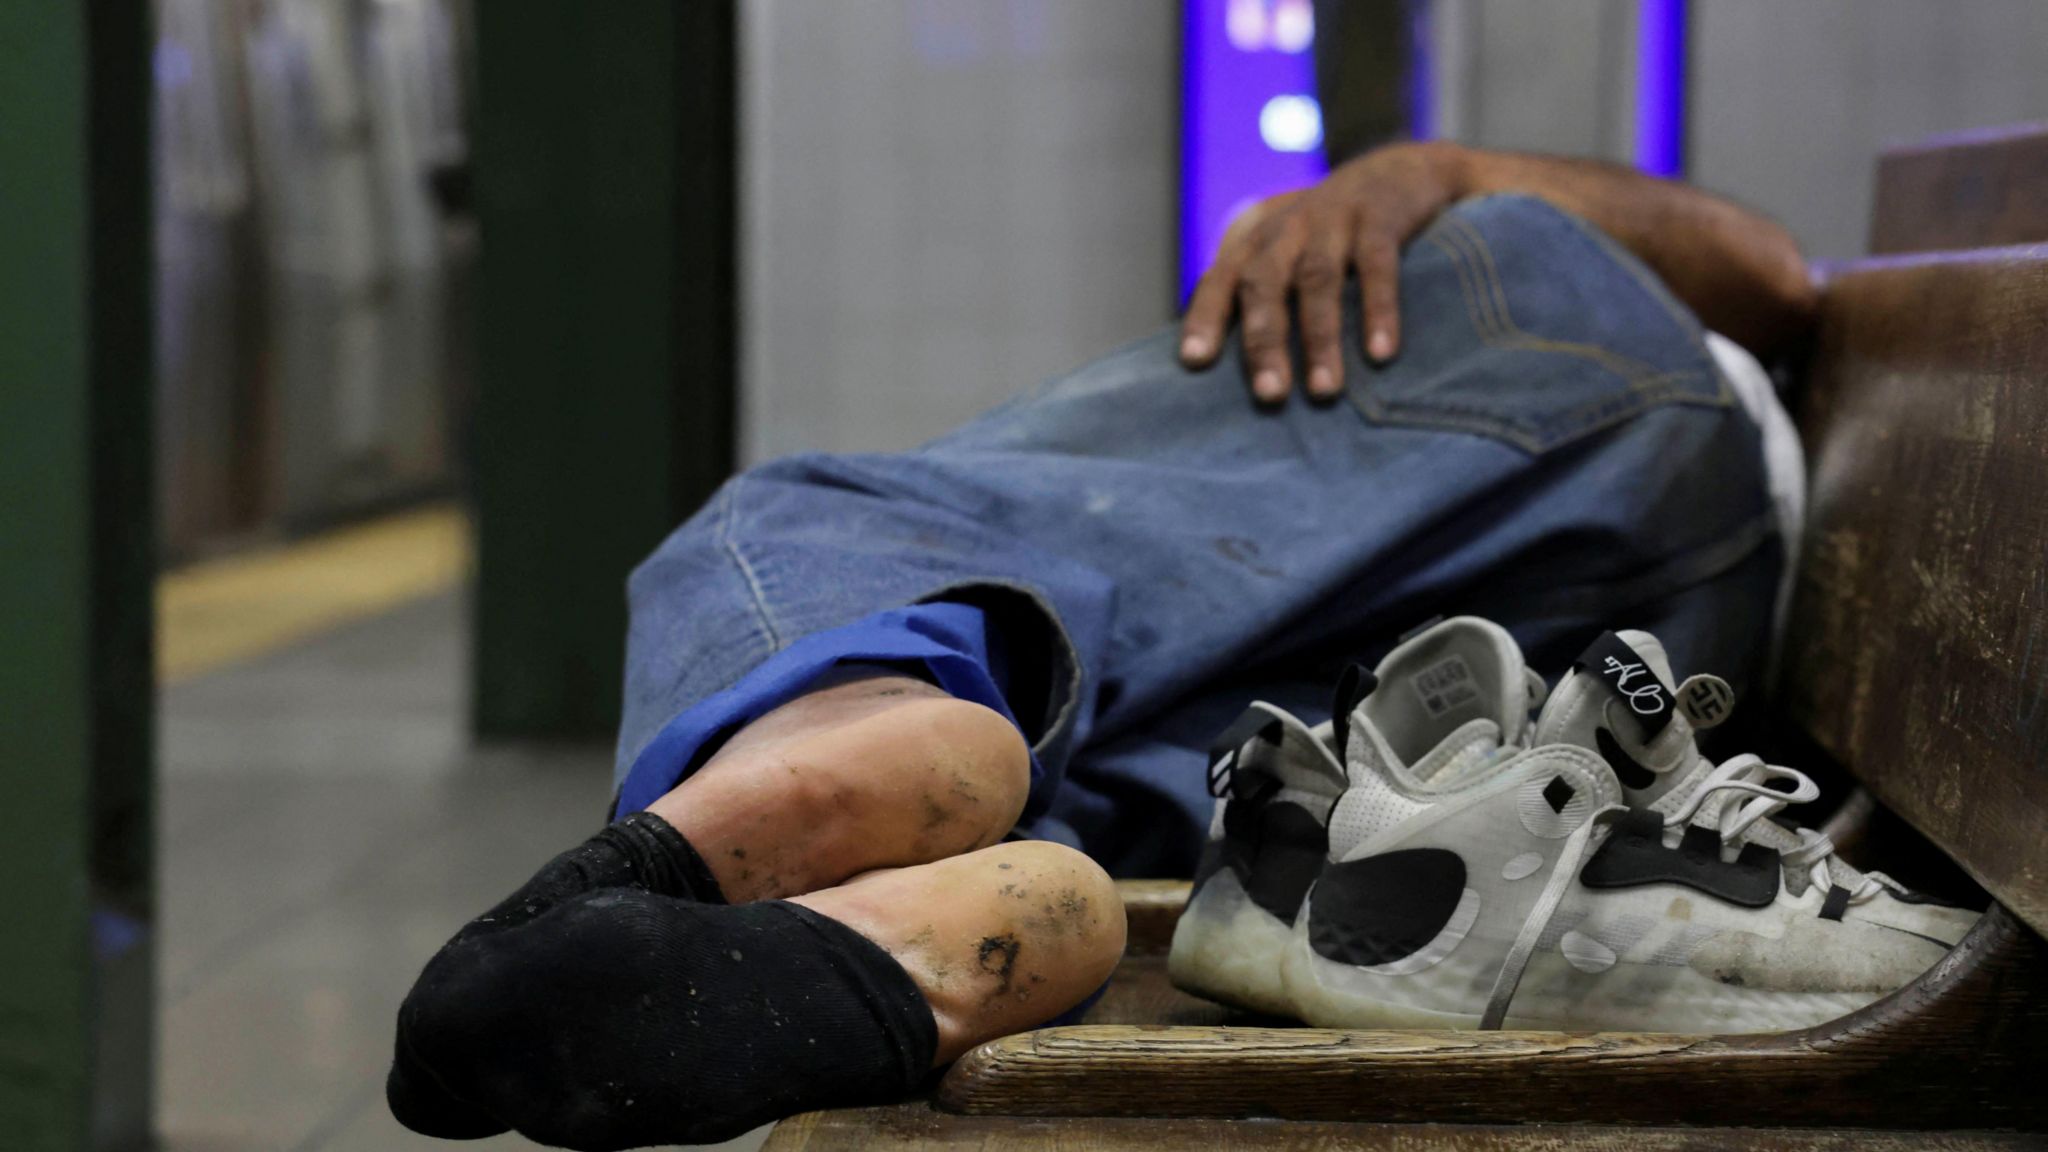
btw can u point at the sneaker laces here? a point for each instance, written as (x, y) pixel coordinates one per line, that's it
(1570, 857)
(1746, 775)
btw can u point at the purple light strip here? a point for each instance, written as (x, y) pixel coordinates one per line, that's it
(1193, 68)
(1225, 163)
(1660, 87)
(1421, 72)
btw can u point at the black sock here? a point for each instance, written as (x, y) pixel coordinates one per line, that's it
(641, 851)
(622, 1018)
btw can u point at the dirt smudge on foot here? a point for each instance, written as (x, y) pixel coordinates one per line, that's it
(997, 956)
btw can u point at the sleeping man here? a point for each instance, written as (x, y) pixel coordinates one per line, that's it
(893, 721)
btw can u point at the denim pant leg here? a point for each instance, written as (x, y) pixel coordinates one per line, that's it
(1553, 448)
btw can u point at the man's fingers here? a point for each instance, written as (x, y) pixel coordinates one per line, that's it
(1262, 311)
(1379, 290)
(1318, 296)
(1201, 330)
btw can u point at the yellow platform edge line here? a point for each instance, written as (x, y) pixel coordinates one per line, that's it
(221, 612)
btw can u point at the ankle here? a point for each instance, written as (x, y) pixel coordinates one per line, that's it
(661, 859)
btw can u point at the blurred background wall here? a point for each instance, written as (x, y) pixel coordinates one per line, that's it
(313, 340)
(944, 202)
(1792, 101)
(1784, 106)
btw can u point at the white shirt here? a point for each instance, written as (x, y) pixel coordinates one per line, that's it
(1784, 458)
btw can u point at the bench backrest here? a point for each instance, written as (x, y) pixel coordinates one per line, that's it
(1917, 652)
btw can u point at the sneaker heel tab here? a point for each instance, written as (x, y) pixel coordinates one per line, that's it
(1227, 754)
(1353, 687)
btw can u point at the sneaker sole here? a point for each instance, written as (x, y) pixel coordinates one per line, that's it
(1663, 999)
(1310, 983)
(1228, 949)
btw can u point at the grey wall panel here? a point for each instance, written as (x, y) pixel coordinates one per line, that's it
(1791, 102)
(1548, 76)
(944, 203)
(1788, 102)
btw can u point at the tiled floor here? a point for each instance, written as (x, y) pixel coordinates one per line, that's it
(325, 826)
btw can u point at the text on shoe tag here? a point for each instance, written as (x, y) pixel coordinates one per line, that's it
(1632, 679)
(1445, 685)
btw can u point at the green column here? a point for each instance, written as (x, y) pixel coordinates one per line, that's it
(605, 184)
(76, 1014)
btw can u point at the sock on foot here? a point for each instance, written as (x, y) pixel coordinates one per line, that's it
(622, 1018)
(640, 852)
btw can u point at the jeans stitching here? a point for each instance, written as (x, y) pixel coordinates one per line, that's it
(1484, 270)
(1473, 308)
(732, 549)
(1627, 367)
(1486, 307)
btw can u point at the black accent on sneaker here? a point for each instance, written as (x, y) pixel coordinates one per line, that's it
(1558, 793)
(1630, 677)
(1837, 902)
(1276, 850)
(1356, 684)
(1635, 854)
(1626, 768)
(1228, 750)
(1382, 908)
(623, 1018)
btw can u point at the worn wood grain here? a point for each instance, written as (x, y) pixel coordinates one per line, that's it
(1151, 909)
(1917, 653)
(918, 1126)
(1977, 190)
(1140, 993)
(1961, 1047)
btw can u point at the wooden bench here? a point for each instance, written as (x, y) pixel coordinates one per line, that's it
(1917, 660)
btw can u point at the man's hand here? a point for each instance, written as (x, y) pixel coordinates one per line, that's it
(1741, 273)
(1303, 244)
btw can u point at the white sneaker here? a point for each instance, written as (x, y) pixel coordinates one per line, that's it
(1446, 700)
(1609, 877)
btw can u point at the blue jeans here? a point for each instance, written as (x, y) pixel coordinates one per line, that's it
(1553, 449)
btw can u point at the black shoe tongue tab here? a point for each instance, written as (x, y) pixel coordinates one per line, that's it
(1225, 777)
(1611, 661)
(1356, 684)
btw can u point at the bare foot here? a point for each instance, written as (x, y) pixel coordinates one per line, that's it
(872, 770)
(998, 941)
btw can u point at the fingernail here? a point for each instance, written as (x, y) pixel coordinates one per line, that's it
(1381, 346)
(1320, 381)
(1194, 348)
(1267, 385)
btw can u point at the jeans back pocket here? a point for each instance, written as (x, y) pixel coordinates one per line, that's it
(1524, 324)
